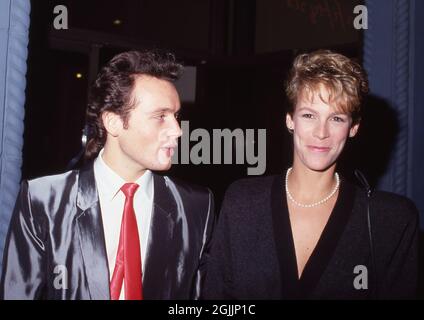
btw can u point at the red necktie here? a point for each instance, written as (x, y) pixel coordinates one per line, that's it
(128, 257)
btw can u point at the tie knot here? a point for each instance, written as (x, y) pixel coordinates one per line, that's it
(129, 189)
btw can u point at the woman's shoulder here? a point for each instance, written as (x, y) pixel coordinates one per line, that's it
(248, 200)
(393, 203)
(389, 204)
(252, 186)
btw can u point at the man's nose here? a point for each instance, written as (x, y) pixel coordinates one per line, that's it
(175, 129)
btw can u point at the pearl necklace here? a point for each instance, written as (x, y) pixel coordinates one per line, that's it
(316, 203)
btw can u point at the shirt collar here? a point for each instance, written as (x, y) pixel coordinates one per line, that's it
(110, 182)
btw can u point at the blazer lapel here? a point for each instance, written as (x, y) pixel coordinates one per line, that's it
(157, 271)
(91, 235)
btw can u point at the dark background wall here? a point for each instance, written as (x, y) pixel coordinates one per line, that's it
(241, 50)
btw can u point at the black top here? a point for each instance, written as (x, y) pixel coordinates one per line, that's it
(253, 257)
(300, 288)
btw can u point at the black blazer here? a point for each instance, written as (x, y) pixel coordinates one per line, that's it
(56, 230)
(252, 253)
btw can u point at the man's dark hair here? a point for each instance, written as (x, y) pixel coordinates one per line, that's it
(112, 90)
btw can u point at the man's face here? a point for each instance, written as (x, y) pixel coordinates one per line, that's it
(149, 139)
(319, 131)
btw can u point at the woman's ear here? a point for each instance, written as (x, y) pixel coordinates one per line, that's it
(353, 130)
(289, 123)
(112, 123)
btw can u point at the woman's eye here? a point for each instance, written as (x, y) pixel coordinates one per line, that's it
(307, 116)
(338, 119)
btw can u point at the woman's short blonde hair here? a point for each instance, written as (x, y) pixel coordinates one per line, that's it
(344, 79)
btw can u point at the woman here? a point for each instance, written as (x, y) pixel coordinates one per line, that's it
(309, 233)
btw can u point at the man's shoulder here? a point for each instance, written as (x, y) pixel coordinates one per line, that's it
(46, 184)
(53, 179)
(183, 186)
(198, 201)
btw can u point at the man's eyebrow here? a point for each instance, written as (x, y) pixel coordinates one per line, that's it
(165, 110)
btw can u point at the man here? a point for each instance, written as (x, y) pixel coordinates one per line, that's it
(114, 229)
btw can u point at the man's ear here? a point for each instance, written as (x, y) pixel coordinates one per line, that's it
(112, 123)
(353, 130)
(289, 123)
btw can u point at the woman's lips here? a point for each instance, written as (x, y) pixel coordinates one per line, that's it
(318, 149)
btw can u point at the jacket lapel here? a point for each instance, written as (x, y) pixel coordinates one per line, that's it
(91, 235)
(157, 283)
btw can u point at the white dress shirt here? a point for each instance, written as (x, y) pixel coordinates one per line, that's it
(112, 201)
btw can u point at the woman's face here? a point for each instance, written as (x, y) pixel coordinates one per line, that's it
(320, 130)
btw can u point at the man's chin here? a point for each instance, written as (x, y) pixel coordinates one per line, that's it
(163, 166)
(164, 169)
